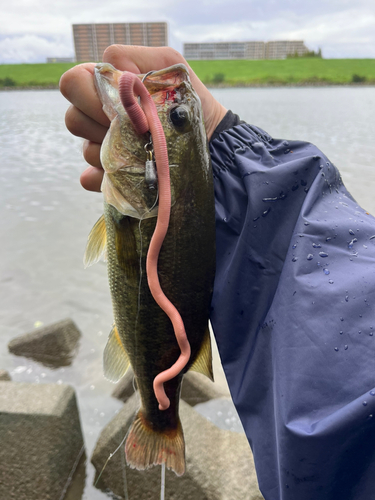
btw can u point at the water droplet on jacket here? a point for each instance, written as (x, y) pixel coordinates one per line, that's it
(364, 403)
(307, 223)
(294, 259)
(347, 298)
(256, 218)
(371, 334)
(321, 166)
(351, 243)
(316, 157)
(372, 393)
(326, 271)
(370, 416)
(310, 256)
(359, 331)
(225, 219)
(286, 143)
(336, 349)
(294, 246)
(330, 282)
(286, 151)
(328, 239)
(267, 200)
(303, 182)
(341, 332)
(346, 347)
(266, 212)
(323, 254)
(341, 319)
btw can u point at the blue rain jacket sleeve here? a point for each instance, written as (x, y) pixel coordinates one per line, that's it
(293, 314)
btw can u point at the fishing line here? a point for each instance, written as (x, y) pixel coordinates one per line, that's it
(109, 458)
(140, 257)
(162, 490)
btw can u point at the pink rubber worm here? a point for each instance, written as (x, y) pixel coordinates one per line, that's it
(144, 120)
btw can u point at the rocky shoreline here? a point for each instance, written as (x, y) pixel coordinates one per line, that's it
(45, 455)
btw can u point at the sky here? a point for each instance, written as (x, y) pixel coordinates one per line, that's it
(32, 30)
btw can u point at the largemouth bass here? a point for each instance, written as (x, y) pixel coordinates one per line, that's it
(142, 335)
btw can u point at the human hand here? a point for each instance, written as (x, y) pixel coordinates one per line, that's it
(85, 117)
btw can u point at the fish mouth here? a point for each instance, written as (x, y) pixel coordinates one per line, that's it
(161, 84)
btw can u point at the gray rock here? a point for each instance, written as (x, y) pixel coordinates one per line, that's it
(219, 464)
(196, 388)
(125, 387)
(4, 376)
(53, 345)
(41, 440)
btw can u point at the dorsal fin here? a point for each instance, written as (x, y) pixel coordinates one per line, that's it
(115, 358)
(96, 243)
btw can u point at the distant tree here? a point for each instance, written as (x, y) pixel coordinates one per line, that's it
(309, 53)
(358, 78)
(7, 82)
(218, 78)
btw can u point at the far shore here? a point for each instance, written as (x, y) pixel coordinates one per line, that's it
(293, 72)
(222, 85)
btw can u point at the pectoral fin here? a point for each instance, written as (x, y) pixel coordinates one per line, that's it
(203, 361)
(115, 357)
(96, 243)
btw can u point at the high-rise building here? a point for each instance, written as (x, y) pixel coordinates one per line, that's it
(244, 50)
(91, 40)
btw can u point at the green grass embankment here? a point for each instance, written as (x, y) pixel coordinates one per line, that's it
(296, 71)
(32, 75)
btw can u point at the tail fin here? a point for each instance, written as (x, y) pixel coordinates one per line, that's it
(145, 447)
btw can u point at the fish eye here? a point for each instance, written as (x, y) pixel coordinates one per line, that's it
(180, 118)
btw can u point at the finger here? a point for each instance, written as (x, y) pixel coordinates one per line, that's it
(91, 153)
(82, 125)
(141, 59)
(91, 178)
(77, 85)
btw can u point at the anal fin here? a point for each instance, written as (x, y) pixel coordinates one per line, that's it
(203, 361)
(115, 358)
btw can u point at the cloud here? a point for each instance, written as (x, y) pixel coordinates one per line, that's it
(33, 49)
(45, 29)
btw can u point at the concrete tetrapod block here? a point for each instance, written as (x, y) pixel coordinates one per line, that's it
(4, 376)
(219, 464)
(196, 388)
(41, 440)
(53, 345)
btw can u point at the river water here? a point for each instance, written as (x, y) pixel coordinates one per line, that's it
(45, 217)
